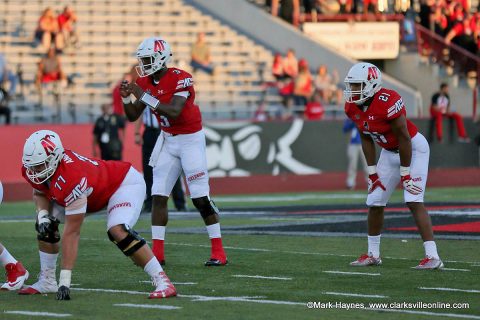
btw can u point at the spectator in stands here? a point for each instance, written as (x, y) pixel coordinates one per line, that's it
(440, 21)
(312, 8)
(346, 6)
(354, 151)
(109, 134)
(289, 10)
(50, 70)
(370, 6)
(325, 84)
(290, 64)
(6, 75)
(441, 108)
(200, 54)
(4, 109)
(463, 34)
(277, 67)
(67, 24)
(48, 30)
(314, 109)
(427, 9)
(303, 89)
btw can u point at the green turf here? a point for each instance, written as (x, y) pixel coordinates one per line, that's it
(304, 259)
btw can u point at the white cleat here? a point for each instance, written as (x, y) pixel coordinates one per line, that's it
(366, 260)
(164, 288)
(429, 263)
(47, 283)
(16, 276)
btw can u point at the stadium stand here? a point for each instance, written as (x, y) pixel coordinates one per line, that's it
(109, 32)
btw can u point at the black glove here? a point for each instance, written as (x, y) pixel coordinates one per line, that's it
(47, 228)
(63, 293)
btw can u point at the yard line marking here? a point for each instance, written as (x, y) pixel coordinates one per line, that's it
(260, 277)
(39, 314)
(347, 294)
(254, 299)
(453, 269)
(301, 252)
(180, 283)
(15, 221)
(450, 289)
(146, 306)
(354, 273)
(290, 198)
(435, 314)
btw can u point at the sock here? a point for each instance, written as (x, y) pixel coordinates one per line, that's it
(215, 236)
(48, 261)
(6, 258)
(374, 246)
(431, 249)
(158, 238)
(214, 231)
(153, 267)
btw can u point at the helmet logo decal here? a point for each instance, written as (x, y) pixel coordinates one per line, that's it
(372, 73)
(48, 144)
(158, 46)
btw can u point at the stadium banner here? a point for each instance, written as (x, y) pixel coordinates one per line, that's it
(358, 40)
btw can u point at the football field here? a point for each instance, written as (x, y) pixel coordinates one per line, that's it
(288, 257)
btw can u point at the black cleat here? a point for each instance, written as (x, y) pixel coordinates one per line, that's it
(215, 263)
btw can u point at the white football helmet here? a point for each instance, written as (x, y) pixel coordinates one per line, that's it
(152, 54)
(42, 153)
(368, 76)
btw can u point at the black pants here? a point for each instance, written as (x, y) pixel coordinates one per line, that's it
(5, 111)
(150, 136)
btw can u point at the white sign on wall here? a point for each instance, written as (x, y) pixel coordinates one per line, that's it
(358, 40)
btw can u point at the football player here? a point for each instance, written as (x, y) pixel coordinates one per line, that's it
(169, 93)
(16, 273)
(380, 117)
(66, 187)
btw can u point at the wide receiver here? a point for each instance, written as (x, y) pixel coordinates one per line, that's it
(169, 93)
(380, 117)
(66, 187)
(16, 273)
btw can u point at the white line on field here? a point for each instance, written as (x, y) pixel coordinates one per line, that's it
(260, 277)
(354, 273)
(347, 294)
(16, 220)
(453, 269)
(450, 289)
(435, 314)
(39, 314)
(300, 252)
(180, 283)
(254, 299)
(290, 198)
(146, 306)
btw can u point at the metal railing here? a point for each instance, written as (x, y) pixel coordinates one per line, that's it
(455, 59)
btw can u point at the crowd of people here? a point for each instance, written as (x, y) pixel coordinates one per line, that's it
(453, 20)
(304, 93)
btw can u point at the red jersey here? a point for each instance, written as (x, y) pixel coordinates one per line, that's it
(175, 81)
(77, 174)
(314, 111)
(375, 120)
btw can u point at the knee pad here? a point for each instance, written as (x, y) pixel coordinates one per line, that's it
(52, 235)
(131, 243)
(205, 206)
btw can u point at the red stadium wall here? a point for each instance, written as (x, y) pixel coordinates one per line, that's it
(79, 138)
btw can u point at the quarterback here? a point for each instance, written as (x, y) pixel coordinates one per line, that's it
(380, 117)
(169, 93)
(67, 186)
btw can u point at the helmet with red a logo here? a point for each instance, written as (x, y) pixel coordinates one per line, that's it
(152, 54)
(42, 153)
(362, 82)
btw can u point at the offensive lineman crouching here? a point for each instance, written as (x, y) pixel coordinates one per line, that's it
(66, 187)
